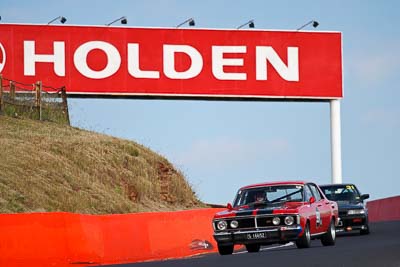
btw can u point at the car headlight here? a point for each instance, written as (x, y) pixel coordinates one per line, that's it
(289, 220)
(355, 212)
(222, 225)
(234, 224)
(276, 221)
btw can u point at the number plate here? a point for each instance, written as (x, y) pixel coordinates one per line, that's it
(256, 235)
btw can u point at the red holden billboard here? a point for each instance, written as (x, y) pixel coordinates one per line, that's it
(174, 62)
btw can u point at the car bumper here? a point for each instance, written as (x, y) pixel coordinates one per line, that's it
(275, 235)
(352, 222)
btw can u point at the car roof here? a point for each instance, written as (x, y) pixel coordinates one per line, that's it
(274, 183)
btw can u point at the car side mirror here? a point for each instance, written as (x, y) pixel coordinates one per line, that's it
(229, 206)
(311, 200)
(364, 196)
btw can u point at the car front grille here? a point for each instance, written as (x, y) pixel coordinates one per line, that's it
(250, 222)
(267, 221)
(244, 223)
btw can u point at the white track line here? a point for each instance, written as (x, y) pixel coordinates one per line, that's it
(269, 248)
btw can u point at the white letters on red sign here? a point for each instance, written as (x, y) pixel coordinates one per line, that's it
(30, 58)
(113, 59)
(169, 62)
(218, 62)
(266, 54)
(133, 64)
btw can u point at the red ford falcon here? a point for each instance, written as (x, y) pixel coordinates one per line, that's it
(279, 212)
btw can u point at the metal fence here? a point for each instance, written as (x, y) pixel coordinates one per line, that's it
(34, 101)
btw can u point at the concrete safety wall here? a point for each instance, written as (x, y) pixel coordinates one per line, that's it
(386, 209)
(66, 239)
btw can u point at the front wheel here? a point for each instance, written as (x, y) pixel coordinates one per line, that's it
(253, 248)
(225, 250)
(329, 238)
(365, 231)
(305, 240)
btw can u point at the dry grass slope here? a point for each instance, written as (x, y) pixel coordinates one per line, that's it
(50, 167)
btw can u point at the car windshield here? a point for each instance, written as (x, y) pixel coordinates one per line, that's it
(269, 194)
(347, 193)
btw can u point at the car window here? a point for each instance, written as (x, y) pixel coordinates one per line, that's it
(307, 193)
(346, 192)
(315, 192)
(269, 194)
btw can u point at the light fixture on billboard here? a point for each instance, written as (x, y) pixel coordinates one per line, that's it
(189, 21)
(61, 18)
(313, 22)
(250, 23)
(123, 20)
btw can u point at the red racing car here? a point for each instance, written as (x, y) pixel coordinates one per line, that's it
(279, 212)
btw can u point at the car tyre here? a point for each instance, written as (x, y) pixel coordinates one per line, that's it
(329, 238)
(305, 240)
(225, 250)
(365, 231)
(251, 248)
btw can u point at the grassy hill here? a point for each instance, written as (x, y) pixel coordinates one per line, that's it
(50, 167)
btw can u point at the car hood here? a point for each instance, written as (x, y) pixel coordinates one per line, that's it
(348, 205)
(291, 207)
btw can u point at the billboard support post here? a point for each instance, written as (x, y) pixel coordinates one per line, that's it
(336, 146)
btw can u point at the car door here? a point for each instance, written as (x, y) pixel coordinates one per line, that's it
(310, 209)
(322, 210)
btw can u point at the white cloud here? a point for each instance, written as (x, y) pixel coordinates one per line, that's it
(372, 65)
(382, 117)
(228, 152)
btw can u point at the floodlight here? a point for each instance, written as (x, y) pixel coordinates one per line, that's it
(313, 22)
(60, 18)
(189, 21)
(250, 23)
(123, 20)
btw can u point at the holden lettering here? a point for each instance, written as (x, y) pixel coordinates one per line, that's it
(266, 57)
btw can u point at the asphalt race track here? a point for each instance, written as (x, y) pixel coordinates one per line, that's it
(380, 248)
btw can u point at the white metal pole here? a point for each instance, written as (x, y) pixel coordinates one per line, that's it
(336, 145)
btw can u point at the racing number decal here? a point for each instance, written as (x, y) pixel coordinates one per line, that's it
(318, 217)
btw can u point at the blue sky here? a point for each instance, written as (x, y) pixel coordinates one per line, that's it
(221, 146)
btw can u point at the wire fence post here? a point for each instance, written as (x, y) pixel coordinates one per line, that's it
(1, 94)
(65, 103)
(12, 91)
(33, 101)
(38, 103)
